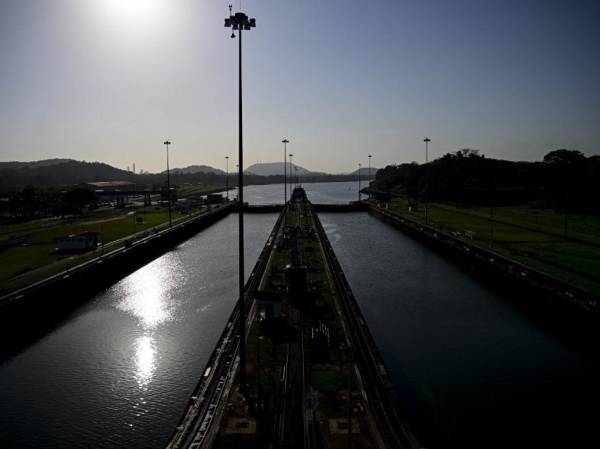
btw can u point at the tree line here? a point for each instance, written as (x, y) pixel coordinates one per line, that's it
(565, 180)
(63, 189)
(32, 202)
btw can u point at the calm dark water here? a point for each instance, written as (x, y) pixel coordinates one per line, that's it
(318, 192)
(474, 370)
(119, 371)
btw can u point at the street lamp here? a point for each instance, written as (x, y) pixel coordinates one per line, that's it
(167, 143)
(285, 142)
(426, 140)
(369, 176)
(359, 165)
(240, 21)
(291, 174)
(227, 176)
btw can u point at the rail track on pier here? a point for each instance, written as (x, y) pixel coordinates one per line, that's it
(381, 397)
(199, 424)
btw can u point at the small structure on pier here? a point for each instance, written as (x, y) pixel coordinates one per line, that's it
(268, 305)
(78, 243)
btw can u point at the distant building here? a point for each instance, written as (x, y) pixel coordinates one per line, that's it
(214, 198)
(119, 192)
(165, 194)
(78, 243)
(184, 205)
(112, 185)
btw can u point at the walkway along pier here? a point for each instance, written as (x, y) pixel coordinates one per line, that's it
(315, 378)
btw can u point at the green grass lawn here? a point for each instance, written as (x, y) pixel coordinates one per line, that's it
(533, 237)
(19, 230)
(34, 258)
(571, 226)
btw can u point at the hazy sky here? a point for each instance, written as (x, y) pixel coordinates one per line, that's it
(109, 80)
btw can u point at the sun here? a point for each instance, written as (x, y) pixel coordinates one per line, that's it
(135, 12)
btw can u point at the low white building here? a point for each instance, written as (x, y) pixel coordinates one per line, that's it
(75, 243)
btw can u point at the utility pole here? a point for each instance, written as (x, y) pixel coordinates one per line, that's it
(227, 176)
(296, 176)
(493, 199)
(167, 143)
(241, 22)
(359, 165)
(369, 176)
(427, 140)
(291, 174)
(285, 142)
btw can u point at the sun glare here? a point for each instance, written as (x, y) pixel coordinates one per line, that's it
(145, 359)
(146, 293)
(135, 12)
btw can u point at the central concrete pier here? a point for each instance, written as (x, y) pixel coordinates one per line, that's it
(314, 375)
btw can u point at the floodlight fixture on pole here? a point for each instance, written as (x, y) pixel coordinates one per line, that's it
(167, 143)
(240, 22)
(285, 142)
(426, 140)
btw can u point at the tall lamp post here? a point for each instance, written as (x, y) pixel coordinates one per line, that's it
(296, 175)
(167, 143)
(369, 176)
(291, 173)
(359, 166)
(227, 176)
(240, 22)
(426, 140)
(285, 142)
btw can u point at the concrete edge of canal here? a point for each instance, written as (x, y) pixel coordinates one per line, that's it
(30, 311)
(199, 421)
(499, 270)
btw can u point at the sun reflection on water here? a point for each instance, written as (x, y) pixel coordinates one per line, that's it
(145, 359)
(149, 295)
(148, 292)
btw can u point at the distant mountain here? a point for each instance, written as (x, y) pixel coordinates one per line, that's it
(58, 172)
(15, 165)
(197, 169)
(66, 173)
(276, 168)
(364, 172)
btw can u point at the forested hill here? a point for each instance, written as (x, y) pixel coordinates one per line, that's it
(14, 177)
(564, 179)
(32, 164)
(66, 173)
